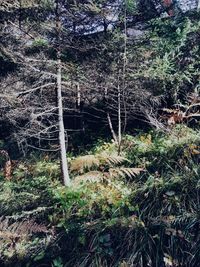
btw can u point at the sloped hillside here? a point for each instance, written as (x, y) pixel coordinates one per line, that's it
(137, 209)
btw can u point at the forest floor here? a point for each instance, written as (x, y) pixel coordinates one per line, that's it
(137, 209)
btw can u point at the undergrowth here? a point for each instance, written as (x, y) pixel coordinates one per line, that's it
(148, 218)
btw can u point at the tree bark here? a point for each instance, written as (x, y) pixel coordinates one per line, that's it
(64, 163)
(124, 68)
(111, 128)
(62, 143)
(119, 118)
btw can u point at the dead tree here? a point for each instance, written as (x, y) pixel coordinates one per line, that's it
(62, 141)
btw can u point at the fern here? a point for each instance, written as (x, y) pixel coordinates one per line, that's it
(125, 172)
(19, 240)
(113, 160)
(100, 167)
(19, 229)
(91, 162)
(87, 162)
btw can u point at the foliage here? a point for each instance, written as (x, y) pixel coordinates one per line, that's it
(15, 235)
(159, 152)
(102, 167)
(106, 199)
(109, 221)
(173, 64)
(184, 112)
(113, 214)
(57, 263)
(157, 212)
(24, 231)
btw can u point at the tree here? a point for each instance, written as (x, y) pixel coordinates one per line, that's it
(38, 125)
(39, 117)
(62, 141)
(72, 53)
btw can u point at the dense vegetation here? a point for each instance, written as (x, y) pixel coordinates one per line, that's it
(138, 209)
(126, 90)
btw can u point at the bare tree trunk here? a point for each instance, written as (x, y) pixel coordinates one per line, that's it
(64, 164)
(114, 136)
(124, 68)
(111, 128)
(119, 118)
(62, 143)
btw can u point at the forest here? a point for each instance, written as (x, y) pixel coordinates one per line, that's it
(99, 133)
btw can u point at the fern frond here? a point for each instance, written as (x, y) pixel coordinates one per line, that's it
(114, 160)
(87, 162)
(125, 172)
(91, 162)
(19, 229)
